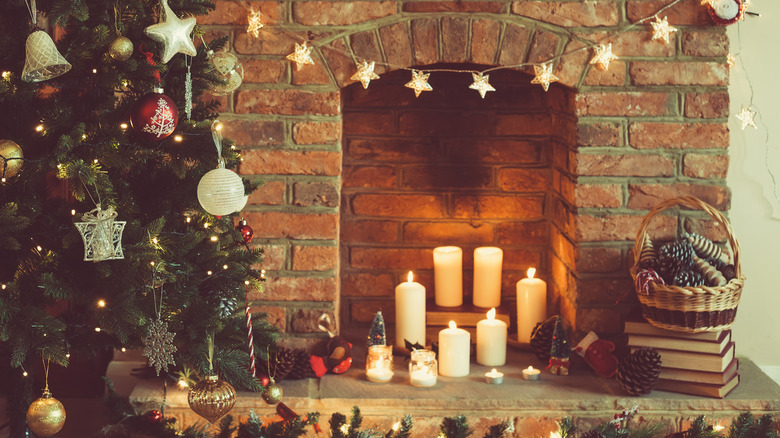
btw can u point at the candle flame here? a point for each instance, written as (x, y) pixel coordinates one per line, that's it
(531, 272)
(530, 368)
(453, 325)
(493, 371)
(409, 277)
(491, 315)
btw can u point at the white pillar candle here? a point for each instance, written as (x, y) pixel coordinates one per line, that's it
(491, 341)
(448, 276)
(409, 313)
(454, 351)
(487, 276)
(531, 305)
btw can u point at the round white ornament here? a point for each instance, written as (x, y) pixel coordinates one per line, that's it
(221, 192)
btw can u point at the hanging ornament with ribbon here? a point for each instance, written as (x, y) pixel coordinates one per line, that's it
(158, 343)
(102, 235)
(211, 398)
(221, 191)
(42, 60)
(121, 49)
(46, 415)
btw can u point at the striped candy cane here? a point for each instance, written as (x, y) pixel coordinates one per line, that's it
(251, 340)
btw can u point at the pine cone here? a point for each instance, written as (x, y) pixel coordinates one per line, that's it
(729, 272)
(282, 361)
(688, 278)
(638, 373)
(674, 257)
(302, 367)
(594, 433)
(648, 256)
(541, 339)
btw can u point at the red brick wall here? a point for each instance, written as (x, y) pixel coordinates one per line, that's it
(651, 127)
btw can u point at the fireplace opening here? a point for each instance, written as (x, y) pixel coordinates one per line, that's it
(451, 168)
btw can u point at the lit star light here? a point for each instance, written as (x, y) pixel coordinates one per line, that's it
(255, 23)
(419, 83)
(301, 56)
(731, 61)
(365, 73)
(173, 33)
(481, 84)
(544, 75)
(746, 117)
(662, 30)
(603, 56)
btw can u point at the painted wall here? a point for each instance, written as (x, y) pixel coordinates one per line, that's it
(755, 207)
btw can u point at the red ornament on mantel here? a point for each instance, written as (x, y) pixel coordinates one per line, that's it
(726, 12)
(153, 416)
(154, 116)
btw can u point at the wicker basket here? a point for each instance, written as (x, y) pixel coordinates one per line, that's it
(690, 309)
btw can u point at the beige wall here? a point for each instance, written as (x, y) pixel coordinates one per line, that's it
(755, 208)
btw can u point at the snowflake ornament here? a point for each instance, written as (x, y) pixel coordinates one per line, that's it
(163, 122)
(158, 346)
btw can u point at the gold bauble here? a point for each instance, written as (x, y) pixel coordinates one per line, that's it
(272, 394)
(212, 398)
(121, 49)
(12, 156)
(45, 416)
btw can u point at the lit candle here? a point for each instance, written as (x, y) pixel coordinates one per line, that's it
(448, 276)
(379, 363)
(454, 351)
(531, 304)
(494, 377)
(491, 340)
(409, 313)
(531, 373)
(487, 276)
(422, 368)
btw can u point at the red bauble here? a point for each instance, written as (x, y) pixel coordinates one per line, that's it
(153, 416)
(154, 116)
(264, 379)
(246, 232)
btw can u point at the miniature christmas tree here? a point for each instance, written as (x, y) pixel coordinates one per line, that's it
(560, 351)
(376, 335)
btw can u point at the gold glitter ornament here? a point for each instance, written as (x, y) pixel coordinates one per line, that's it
(11, 158)
(212, 398)
(46, 415)
(121, 49)
(272, 394)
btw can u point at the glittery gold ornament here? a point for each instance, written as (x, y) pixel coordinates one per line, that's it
(212, 398)
(11, 158)
(46, 416)
(121, 48)
(272, 394)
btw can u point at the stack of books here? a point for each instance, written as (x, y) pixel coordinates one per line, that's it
(691, 363)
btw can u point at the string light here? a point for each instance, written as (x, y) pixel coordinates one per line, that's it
(544, 75)
(123, 126)
(95, 161)
(123, 350)
(255, 23)
(188, 219)
(301, 56)
(225, 267)
(6, 75)
(365, 73)
(94, 70)
(38, 247)
(209, 272)
(152, 263)
(731, 61)
(155, 241)
(214, 238)
(603, 56)
(396, 426)
(419, 82)
(205, 225)
(178, 138)
(24, 374)
(97, 329)
(183, 384)
(83, 136)
(73, 212)
(67, 355)
(39, 128)
(662, 30)
(101, 303)
(3, 286)
(481, 84)
(246, 282)
(746, 116)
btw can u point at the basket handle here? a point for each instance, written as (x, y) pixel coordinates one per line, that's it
(694, 204)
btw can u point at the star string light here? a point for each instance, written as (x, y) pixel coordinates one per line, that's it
(419, 82)
(746, 116)
(603, 56)
(731, 61)
(255, 23)
(301, 56)
(365, 73)
(173, 33)
(662, 29)
(481, 84)
(544, 75)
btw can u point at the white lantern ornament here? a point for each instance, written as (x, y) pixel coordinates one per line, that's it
(221, 191)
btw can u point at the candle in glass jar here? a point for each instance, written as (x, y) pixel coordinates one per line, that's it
(454, 351)
(379, 363)
(487, 276)
(409, 313)
(448, 276)
(531, 304)
(491, 340)
(422, 368)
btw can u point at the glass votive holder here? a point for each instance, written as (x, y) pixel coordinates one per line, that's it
(423, 368)
(379, 363)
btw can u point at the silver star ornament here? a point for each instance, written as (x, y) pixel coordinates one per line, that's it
(481, 84)
(173, 33)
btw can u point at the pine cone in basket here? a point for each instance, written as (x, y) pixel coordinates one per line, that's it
(706, 248)
(674, 257)
(541, 339)
(688, 278)
(711, 275)
(593, 433)
(648, 256)
(302, 367)
(638, 373)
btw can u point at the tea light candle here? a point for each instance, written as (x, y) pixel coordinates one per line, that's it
(531, 304)
(491, 340)
(531, 373)
(454, 351)
(379, 363)
(487, 276)
(409, 313)
(494, 377)
(448, 276)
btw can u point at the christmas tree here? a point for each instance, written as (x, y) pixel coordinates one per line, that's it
(171, 274)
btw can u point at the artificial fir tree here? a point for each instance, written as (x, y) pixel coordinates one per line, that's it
(79, 154)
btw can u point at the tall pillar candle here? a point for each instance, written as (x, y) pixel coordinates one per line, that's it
(531, 305)
(448, 276)
(491, 341)
(487, 276)
(409, 313)
(454, 351)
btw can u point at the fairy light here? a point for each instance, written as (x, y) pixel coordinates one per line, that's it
(718, 428)
(97, 329)
(209, 273)
(67, 355)
(225, 267)
(255, 23)
(24, 374)
(152, 263)
(73, 212)
(123, 350)
(2, 179)
(125, 83)
(205, 225)
(3, 286)
(246, 282)
(39, 128)
(95, 161)
(188, 219)
(59, 166)
(6, 75)
(94, 71)
(214, 238)
(218, 126)
(183, 384)
(83, 136)
(39, 248)
(396, 426)
(155, 241)
(101, 303)
(178, 138)
(123, 126)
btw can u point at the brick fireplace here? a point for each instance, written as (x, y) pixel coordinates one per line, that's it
(361, 185)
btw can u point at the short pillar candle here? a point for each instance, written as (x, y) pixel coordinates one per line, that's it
(448, 276)
(487, 276)
(409, 313)
(454, 351)
(491, 341)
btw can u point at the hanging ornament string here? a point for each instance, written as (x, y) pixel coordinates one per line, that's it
(158, 343)
(46, 365)
(216, 134)
(33, 11)
(210, 356)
